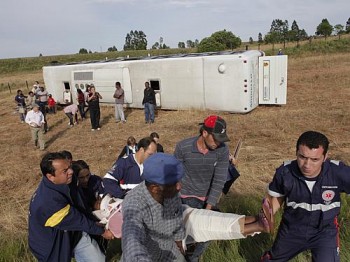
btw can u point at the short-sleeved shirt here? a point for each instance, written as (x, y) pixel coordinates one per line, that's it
(307, 212)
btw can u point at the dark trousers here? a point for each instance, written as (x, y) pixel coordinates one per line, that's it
(81, 110)
(199, 248)
(71, 120)
(323, 245)
(42, 108)
(95, 118)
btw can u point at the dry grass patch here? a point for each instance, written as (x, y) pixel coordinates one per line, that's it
(318, 95)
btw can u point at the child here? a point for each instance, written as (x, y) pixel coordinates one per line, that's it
(51, 104)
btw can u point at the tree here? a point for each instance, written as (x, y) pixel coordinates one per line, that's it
(227, 38)
(272, 38)
(347, 26)
(219, 41)
(279, 31)
(209, 44)
(196, 43)
(294, 32)
(112, 49)
(164, 46)
(324, 28)
(83, 51)
(189, 44)
(251, 41)
(135, 40)
(181, 45)
(155, 45)
(260, 38)
(339, 30)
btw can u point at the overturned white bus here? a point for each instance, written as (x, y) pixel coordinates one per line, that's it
(235, 82)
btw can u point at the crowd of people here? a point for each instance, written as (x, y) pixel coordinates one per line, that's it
(159, 189)
(87, 101)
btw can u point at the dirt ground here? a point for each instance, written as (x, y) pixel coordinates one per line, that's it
(318, 95)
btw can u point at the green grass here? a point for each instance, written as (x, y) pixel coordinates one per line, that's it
(251, 248)
(15, 248)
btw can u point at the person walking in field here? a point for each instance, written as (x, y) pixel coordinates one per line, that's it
(20, 100)
(309, 188)
(94, 108)
(149, 102)
(35, 119)
(119, 102)
(81, 103)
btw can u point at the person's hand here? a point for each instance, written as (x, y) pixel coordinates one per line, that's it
(233, 161)
(108, 235)
(208, 206)
(180, 246)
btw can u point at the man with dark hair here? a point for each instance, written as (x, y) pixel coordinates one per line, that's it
(126, 172)
(153, 227)
(53, 216)
(149, 102)
(309, 189)
(119, 102)
(206, 159)
(36, 120)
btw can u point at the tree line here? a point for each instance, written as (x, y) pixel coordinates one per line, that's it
(280, 32)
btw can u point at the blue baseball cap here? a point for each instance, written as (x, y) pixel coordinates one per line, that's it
(162, 169)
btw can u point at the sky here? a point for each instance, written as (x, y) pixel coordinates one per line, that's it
(58, 27)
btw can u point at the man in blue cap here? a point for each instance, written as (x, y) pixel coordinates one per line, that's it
(152, 213)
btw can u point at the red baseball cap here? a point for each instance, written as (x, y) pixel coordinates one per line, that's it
(216, 126)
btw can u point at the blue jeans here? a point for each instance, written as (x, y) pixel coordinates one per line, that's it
(202, 246)
(149, 112)
(88, 250)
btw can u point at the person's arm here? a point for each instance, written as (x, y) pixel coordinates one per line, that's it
(276, 190)
(122, 153)
(90, 97)
(134, 234)
(98, 94)
(219, 178)
(111, 181)
(62, 215)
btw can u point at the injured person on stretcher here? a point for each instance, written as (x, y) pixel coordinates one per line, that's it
(201, 224)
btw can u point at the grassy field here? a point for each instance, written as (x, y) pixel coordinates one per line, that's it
(318, 99)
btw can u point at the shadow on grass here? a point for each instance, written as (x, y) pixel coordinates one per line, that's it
(106, 119)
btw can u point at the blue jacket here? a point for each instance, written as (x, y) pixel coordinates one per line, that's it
(305, 212)
(124, 176)
(51, 218)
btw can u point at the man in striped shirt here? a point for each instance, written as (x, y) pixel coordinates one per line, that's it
(205, 159)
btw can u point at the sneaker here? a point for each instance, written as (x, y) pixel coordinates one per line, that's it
(98, 128)
(93, 129)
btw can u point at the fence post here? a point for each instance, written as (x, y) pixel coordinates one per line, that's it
(9, 87)
(27, 85)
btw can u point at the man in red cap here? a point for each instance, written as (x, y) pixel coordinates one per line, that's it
(205, 159)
